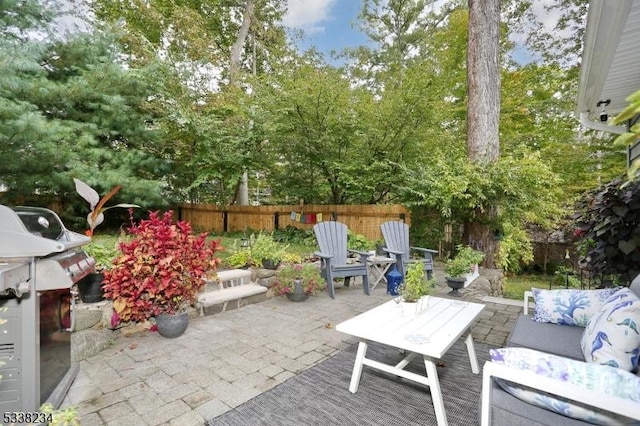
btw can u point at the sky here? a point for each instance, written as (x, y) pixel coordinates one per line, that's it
(328, 24)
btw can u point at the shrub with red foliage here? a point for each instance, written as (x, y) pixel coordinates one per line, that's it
(161, 269)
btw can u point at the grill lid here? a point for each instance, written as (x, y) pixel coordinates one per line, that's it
(34, 232)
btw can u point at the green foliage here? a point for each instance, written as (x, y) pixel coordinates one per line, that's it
(523, 188)
(103, 253)
(415, 284)
(515, 249)
(64, 417)
(240, 257)
(461, 263)
(358, 242)
(607, 223)
(312, 281)
(70, 109)
(632, 111)
(293, 235)
(209, 131)
(263, 247)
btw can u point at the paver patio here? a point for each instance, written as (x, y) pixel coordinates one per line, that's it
(226, 359)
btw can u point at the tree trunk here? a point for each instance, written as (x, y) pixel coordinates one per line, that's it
(242, 194)
(483, 111)
(236, 49)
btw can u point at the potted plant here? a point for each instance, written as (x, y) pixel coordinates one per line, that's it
(413, 289)
(266, 252)
(458, 268)
(415, 284)
(297, 281)
(159, 273)
(90, 287)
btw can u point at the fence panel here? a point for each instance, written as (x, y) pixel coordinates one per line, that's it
(361, 219)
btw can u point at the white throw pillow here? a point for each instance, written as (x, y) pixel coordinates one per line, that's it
(568, 306)
(612, 336)
(608, 380)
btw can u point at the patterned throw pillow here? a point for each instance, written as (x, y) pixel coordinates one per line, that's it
(568, 306)
(604, 379)
(612, 336)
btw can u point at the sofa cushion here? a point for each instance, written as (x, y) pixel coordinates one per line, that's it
(556, 339)
(568, 306)
(507, 410)
(612, 336)
(604, 379)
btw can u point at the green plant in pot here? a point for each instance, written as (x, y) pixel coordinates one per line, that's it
(103, 253)
(266, 252)
(457, 268)
(298, 280)
(415, 284)
(160, 272)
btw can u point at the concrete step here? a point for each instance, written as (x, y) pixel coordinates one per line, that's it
(229, 278)
(232, 289)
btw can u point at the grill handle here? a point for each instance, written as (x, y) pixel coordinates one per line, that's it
(72, 313)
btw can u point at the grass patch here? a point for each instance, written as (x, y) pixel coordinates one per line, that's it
(515, 286)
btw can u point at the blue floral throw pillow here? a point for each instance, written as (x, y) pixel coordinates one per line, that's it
(605, 379)
(568, 306)
(612, 336)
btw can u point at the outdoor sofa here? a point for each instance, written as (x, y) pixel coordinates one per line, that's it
(541, 376)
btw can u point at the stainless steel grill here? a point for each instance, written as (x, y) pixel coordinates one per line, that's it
(39, 262)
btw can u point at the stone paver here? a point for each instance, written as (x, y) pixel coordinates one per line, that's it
(226, 359)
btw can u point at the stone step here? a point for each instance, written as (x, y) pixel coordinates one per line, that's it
(216, 301)
(229, 278)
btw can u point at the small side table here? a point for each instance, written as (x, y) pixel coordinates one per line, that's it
(378, 267)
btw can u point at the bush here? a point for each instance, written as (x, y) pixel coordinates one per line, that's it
(160, 270)
(607, 226)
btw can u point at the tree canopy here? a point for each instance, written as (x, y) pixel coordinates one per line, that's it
(143, 99)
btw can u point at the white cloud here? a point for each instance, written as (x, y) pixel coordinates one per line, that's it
(308, 15)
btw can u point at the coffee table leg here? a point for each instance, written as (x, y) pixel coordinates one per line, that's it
(472, 354)
(436, 393)
(357, 367)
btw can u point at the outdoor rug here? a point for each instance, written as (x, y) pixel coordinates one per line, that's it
(320, 395)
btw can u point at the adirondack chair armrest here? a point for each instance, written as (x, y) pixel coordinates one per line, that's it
(323, 255)
(363, 254)
(394, 252)
(424, 250)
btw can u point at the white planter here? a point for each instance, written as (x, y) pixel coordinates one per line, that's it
(412, 309)
(471, 276)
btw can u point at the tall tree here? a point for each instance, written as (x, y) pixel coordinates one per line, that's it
(216, 48)
(483, 110)
(69, 109)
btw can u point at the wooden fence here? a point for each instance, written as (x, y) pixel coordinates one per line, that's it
(361, 219)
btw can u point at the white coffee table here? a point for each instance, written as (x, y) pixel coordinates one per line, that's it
(430, 333)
